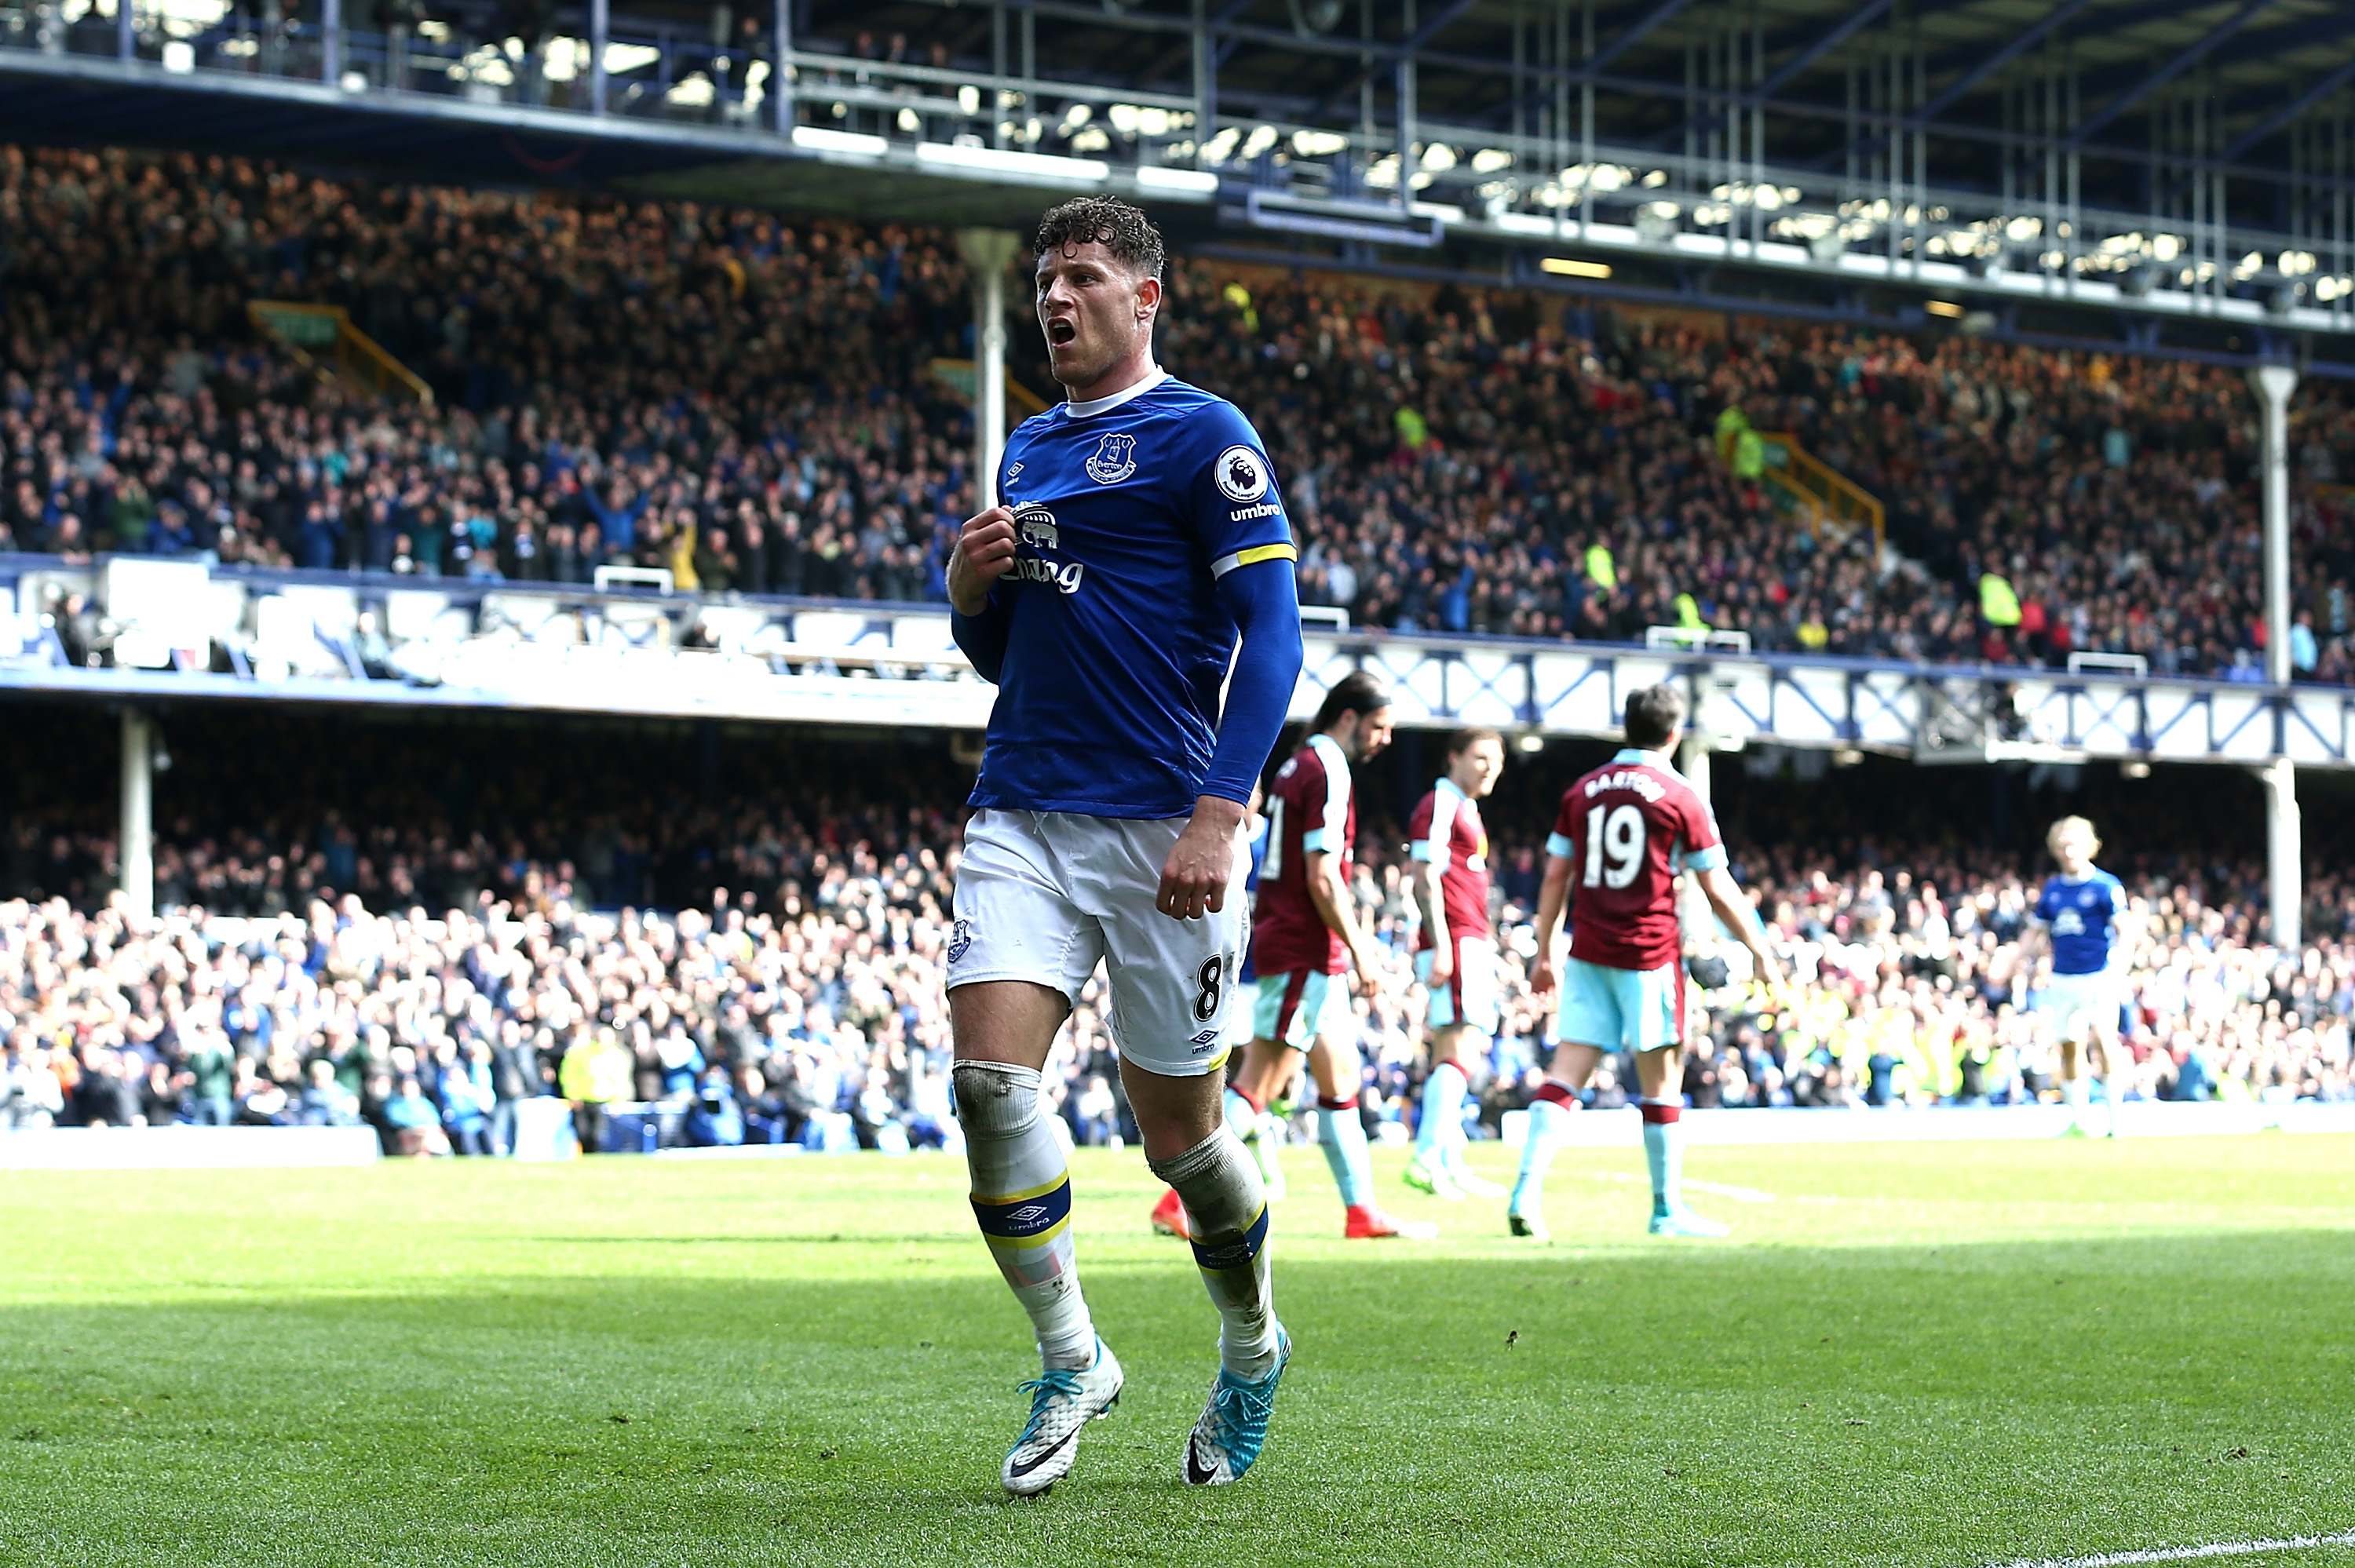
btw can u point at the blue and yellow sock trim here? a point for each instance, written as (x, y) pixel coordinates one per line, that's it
(1025, 1219)
(1220, 1254)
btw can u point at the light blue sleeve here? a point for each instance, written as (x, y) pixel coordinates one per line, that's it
(1559, 845)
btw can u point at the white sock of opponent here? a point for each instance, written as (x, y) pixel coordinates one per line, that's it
(1554, 1101)
(1245, 1115)
(1022, 1198)
(1221, 1190)
(1664, 1152)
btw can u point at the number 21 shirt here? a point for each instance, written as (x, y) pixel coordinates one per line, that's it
(1627, 829)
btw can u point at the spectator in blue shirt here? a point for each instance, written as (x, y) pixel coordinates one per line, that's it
(467, 1100)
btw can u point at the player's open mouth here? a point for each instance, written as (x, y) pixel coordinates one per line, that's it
(1060, 330)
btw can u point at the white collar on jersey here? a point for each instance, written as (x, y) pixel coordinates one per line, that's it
(1090, 409)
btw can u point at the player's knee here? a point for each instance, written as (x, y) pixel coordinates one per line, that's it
(995, 1100)
(1217, 1180)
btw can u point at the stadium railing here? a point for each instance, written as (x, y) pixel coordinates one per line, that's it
(125, 626)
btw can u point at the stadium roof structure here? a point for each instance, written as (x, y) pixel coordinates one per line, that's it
(2163, 175)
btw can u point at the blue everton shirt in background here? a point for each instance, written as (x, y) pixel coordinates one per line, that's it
(2079, 915)
(1127, 511)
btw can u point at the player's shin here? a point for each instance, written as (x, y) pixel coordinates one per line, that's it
(1022, 1199)
(1554, 1101)
(1221, 1190)
(1664, 1152)
(1341, 1133)
(1442, 1112)
(2073, 1096)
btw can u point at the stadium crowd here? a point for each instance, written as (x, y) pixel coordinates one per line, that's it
(814, 1014)
(749, 402)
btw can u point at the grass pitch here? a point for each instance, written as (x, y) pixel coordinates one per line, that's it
(1932, 1354)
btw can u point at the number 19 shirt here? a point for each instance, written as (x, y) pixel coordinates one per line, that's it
(1627, 829)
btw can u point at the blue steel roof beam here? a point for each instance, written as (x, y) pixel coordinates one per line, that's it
(2289, 111)
(2268, 45)
(1997, 61)
(1664, 11)
(2169, 71)
(1227, 13)
(1863, 16)
(1421, 36)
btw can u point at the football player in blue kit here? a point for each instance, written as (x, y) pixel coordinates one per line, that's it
(2083, 916)
(1137, 560)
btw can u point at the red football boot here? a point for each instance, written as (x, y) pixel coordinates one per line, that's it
(1169, 1217)
(1367, 1222)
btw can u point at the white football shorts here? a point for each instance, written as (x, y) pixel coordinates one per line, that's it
(2074, 1001)
(1044, 896)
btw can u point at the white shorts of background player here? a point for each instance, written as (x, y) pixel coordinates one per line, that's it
(1044, 896)
(2073, 1002)
(1616, 1010)
(1470, 994)
(1295, 1007)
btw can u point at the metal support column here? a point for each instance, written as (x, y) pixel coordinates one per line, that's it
(126, 31)
(1403, 90)
(600, 27)
(2284, 873)
(2272, 383)
(331, 41)
(1692, 760)
(135, 852)
(781, 76)
(987, 252)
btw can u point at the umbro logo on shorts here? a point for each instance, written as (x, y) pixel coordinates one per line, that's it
(1204, 1040)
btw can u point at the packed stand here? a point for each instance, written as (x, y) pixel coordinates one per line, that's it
(816, 1015)
(747, 401)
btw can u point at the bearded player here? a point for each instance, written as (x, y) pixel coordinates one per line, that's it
(1132, 597)
(1622, 833)
(1305, 939)
(1455, 957)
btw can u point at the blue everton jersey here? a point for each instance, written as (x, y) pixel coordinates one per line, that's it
(1126, 513)
(2082, 917)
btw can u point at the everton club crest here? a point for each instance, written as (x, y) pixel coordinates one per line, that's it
(1114, 460)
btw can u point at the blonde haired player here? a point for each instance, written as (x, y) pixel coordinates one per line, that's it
(2082, 917)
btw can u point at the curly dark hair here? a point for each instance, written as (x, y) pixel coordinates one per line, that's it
(1123, 230)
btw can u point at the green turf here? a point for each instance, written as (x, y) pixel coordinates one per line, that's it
(1915, 1355)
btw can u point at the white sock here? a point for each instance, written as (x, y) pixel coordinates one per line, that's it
(1022, 1199)
(2072, 1095)
(1221, 1190)
(1545, 1116)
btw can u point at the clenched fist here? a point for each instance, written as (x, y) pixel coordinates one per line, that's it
(984, 553)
